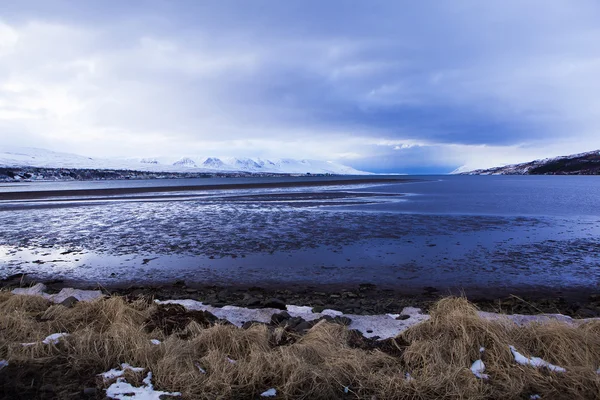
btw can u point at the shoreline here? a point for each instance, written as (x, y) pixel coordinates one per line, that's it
(41, 194)
(361, 299)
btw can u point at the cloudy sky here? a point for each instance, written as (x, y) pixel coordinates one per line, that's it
(385, 86)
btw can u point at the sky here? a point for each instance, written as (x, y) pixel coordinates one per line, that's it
(383, 86)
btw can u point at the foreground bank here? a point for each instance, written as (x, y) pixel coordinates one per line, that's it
(116, 346)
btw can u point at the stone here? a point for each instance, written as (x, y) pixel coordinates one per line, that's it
(279, 318)
(303, 326)
(275, 303)
(251, 301)
(69, 302)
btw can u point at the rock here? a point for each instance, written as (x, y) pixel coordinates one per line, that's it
(403, 317)
(69, 302)
(303, 326)
(249, 324)
(279, 318)
(224, 295)
(251, 301)
(292, 323)
(275, 303)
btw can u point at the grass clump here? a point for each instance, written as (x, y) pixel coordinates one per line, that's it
(221, 361)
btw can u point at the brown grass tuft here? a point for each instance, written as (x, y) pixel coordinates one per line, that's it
(319, 365)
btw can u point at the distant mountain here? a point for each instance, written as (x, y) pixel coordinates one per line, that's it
(41, 158)
(575, 164)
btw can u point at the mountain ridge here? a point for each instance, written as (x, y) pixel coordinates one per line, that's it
(587, 163)
(42, 158)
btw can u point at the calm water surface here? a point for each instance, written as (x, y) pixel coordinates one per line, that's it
(498, 232)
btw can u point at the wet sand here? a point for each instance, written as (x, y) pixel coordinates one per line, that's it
(42, 194)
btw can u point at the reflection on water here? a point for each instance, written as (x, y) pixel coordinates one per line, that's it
(458, 231)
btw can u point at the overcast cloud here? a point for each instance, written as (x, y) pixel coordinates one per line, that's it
(394, 86)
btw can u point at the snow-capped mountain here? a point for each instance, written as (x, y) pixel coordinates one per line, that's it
(41, 158)
(575, 164)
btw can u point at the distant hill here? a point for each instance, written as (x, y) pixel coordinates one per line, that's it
(575, 164)
(19, 157)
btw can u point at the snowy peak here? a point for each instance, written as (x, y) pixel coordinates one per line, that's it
(575, 164)
(33, 157)
(185, 162)
(213, 163)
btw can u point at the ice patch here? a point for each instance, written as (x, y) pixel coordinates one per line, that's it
(121, 390)
(269, 393)
(202, 370)
(299, 309)
(39, 290)
(115, 373)
(332, 313)
(478, 369)
(50, 339)
(36, 290)
(534, 361)
(381, 326)
(54, 338)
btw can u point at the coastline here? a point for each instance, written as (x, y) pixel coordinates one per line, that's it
(361, 299)
(41, 194)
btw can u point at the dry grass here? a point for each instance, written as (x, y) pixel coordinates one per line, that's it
(318, 365)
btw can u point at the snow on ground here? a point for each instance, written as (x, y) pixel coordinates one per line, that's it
(39, 290)
(269, 393)
(116, 373)
(50, 339)
(478, 367)
(534, 361)
(3, 363)
(382, 326)
(122, 390)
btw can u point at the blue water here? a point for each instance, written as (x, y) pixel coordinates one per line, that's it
(443, 231)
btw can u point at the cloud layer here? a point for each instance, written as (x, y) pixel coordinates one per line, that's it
(380, 85)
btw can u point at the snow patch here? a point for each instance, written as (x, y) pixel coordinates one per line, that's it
(122, 390)
(155, 341)
(39, 289)
(115, 373)
(269, 393)
(478, 369)
(3, 363)
(50, 339)
(534, 361)
(381, 326)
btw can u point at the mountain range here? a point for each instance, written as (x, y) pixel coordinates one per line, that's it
(574, 164)
(42, 158)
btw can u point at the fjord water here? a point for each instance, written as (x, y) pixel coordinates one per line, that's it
(500, 233)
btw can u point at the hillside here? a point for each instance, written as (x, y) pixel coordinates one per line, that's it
(34, 163)
(575, 164)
